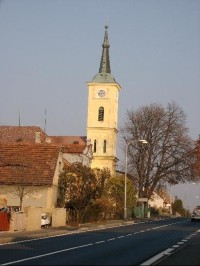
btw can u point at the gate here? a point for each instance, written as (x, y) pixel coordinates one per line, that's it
(19, 224)
(4, 221)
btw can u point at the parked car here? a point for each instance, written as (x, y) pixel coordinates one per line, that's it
(45, 220)
(196, 214)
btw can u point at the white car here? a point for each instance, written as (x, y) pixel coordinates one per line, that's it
(196, 214)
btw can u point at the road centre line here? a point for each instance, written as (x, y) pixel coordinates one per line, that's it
(76, 247)
(73, 232)
(120, 236)
(47, 254)
(99, 242)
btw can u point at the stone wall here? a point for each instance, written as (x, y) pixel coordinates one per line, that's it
(30, 218)
(59, 217)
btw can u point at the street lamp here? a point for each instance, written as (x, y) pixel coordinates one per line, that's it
(170, 199)
(143, 141)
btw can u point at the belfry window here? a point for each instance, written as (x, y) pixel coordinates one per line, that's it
(101, 114)
(104, 146)
(95, 145)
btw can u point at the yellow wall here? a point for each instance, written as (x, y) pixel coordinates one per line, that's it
(103, 130)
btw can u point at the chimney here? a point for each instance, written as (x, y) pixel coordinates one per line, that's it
(88, 142)
(37, 137)
(48, 140)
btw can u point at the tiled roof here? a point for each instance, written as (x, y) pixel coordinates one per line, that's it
(33, 164)
(28, 155)
(28, 134)
(68, 140)
(70, 144)
(20, 134)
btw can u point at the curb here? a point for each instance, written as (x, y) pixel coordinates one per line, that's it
(8, 237)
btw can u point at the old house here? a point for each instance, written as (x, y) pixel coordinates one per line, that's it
(31, 161)
(75, 148)
(29, 174)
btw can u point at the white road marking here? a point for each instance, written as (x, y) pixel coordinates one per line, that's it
(99, 242)
(166, 252)
(46, 254)
(155, 258)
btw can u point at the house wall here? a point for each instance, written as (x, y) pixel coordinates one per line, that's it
(52, 192)
(36, 198)
(73, 158)
(85, 159)
(32, 218)
(59, 217)
(156, 202)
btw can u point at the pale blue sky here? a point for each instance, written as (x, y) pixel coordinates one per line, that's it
(49, 49)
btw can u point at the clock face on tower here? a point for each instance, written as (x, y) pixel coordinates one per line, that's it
(101, 93)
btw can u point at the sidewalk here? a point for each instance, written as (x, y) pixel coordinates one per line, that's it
(8, 236)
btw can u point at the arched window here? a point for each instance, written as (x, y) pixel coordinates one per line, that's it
(101, 114)
(95, 145)
(104, 146)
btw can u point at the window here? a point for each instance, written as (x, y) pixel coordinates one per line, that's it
(101, 114)
(60, 165)
(95, 145)
(104, 146)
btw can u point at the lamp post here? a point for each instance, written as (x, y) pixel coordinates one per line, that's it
(143, 141)
(170, 199)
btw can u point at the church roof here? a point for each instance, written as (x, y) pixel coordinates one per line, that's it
(104, 75)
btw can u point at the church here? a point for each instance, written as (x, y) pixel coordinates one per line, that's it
(27, 151)
(102, 115)
(102, 122)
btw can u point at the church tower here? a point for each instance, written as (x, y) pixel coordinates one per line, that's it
(102, 116)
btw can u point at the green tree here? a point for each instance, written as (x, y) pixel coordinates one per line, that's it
(114, 191)
(80, 186)
(168, 157)
(177, 206)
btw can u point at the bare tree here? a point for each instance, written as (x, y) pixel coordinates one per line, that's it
(168, 157)
(22, 189)
(197, 163)
(20, 185)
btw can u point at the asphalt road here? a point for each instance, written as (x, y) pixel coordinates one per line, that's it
(164, 242)
(187, 254)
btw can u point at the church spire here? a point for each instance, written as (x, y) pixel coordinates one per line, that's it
(104, 74)
(105, 59)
